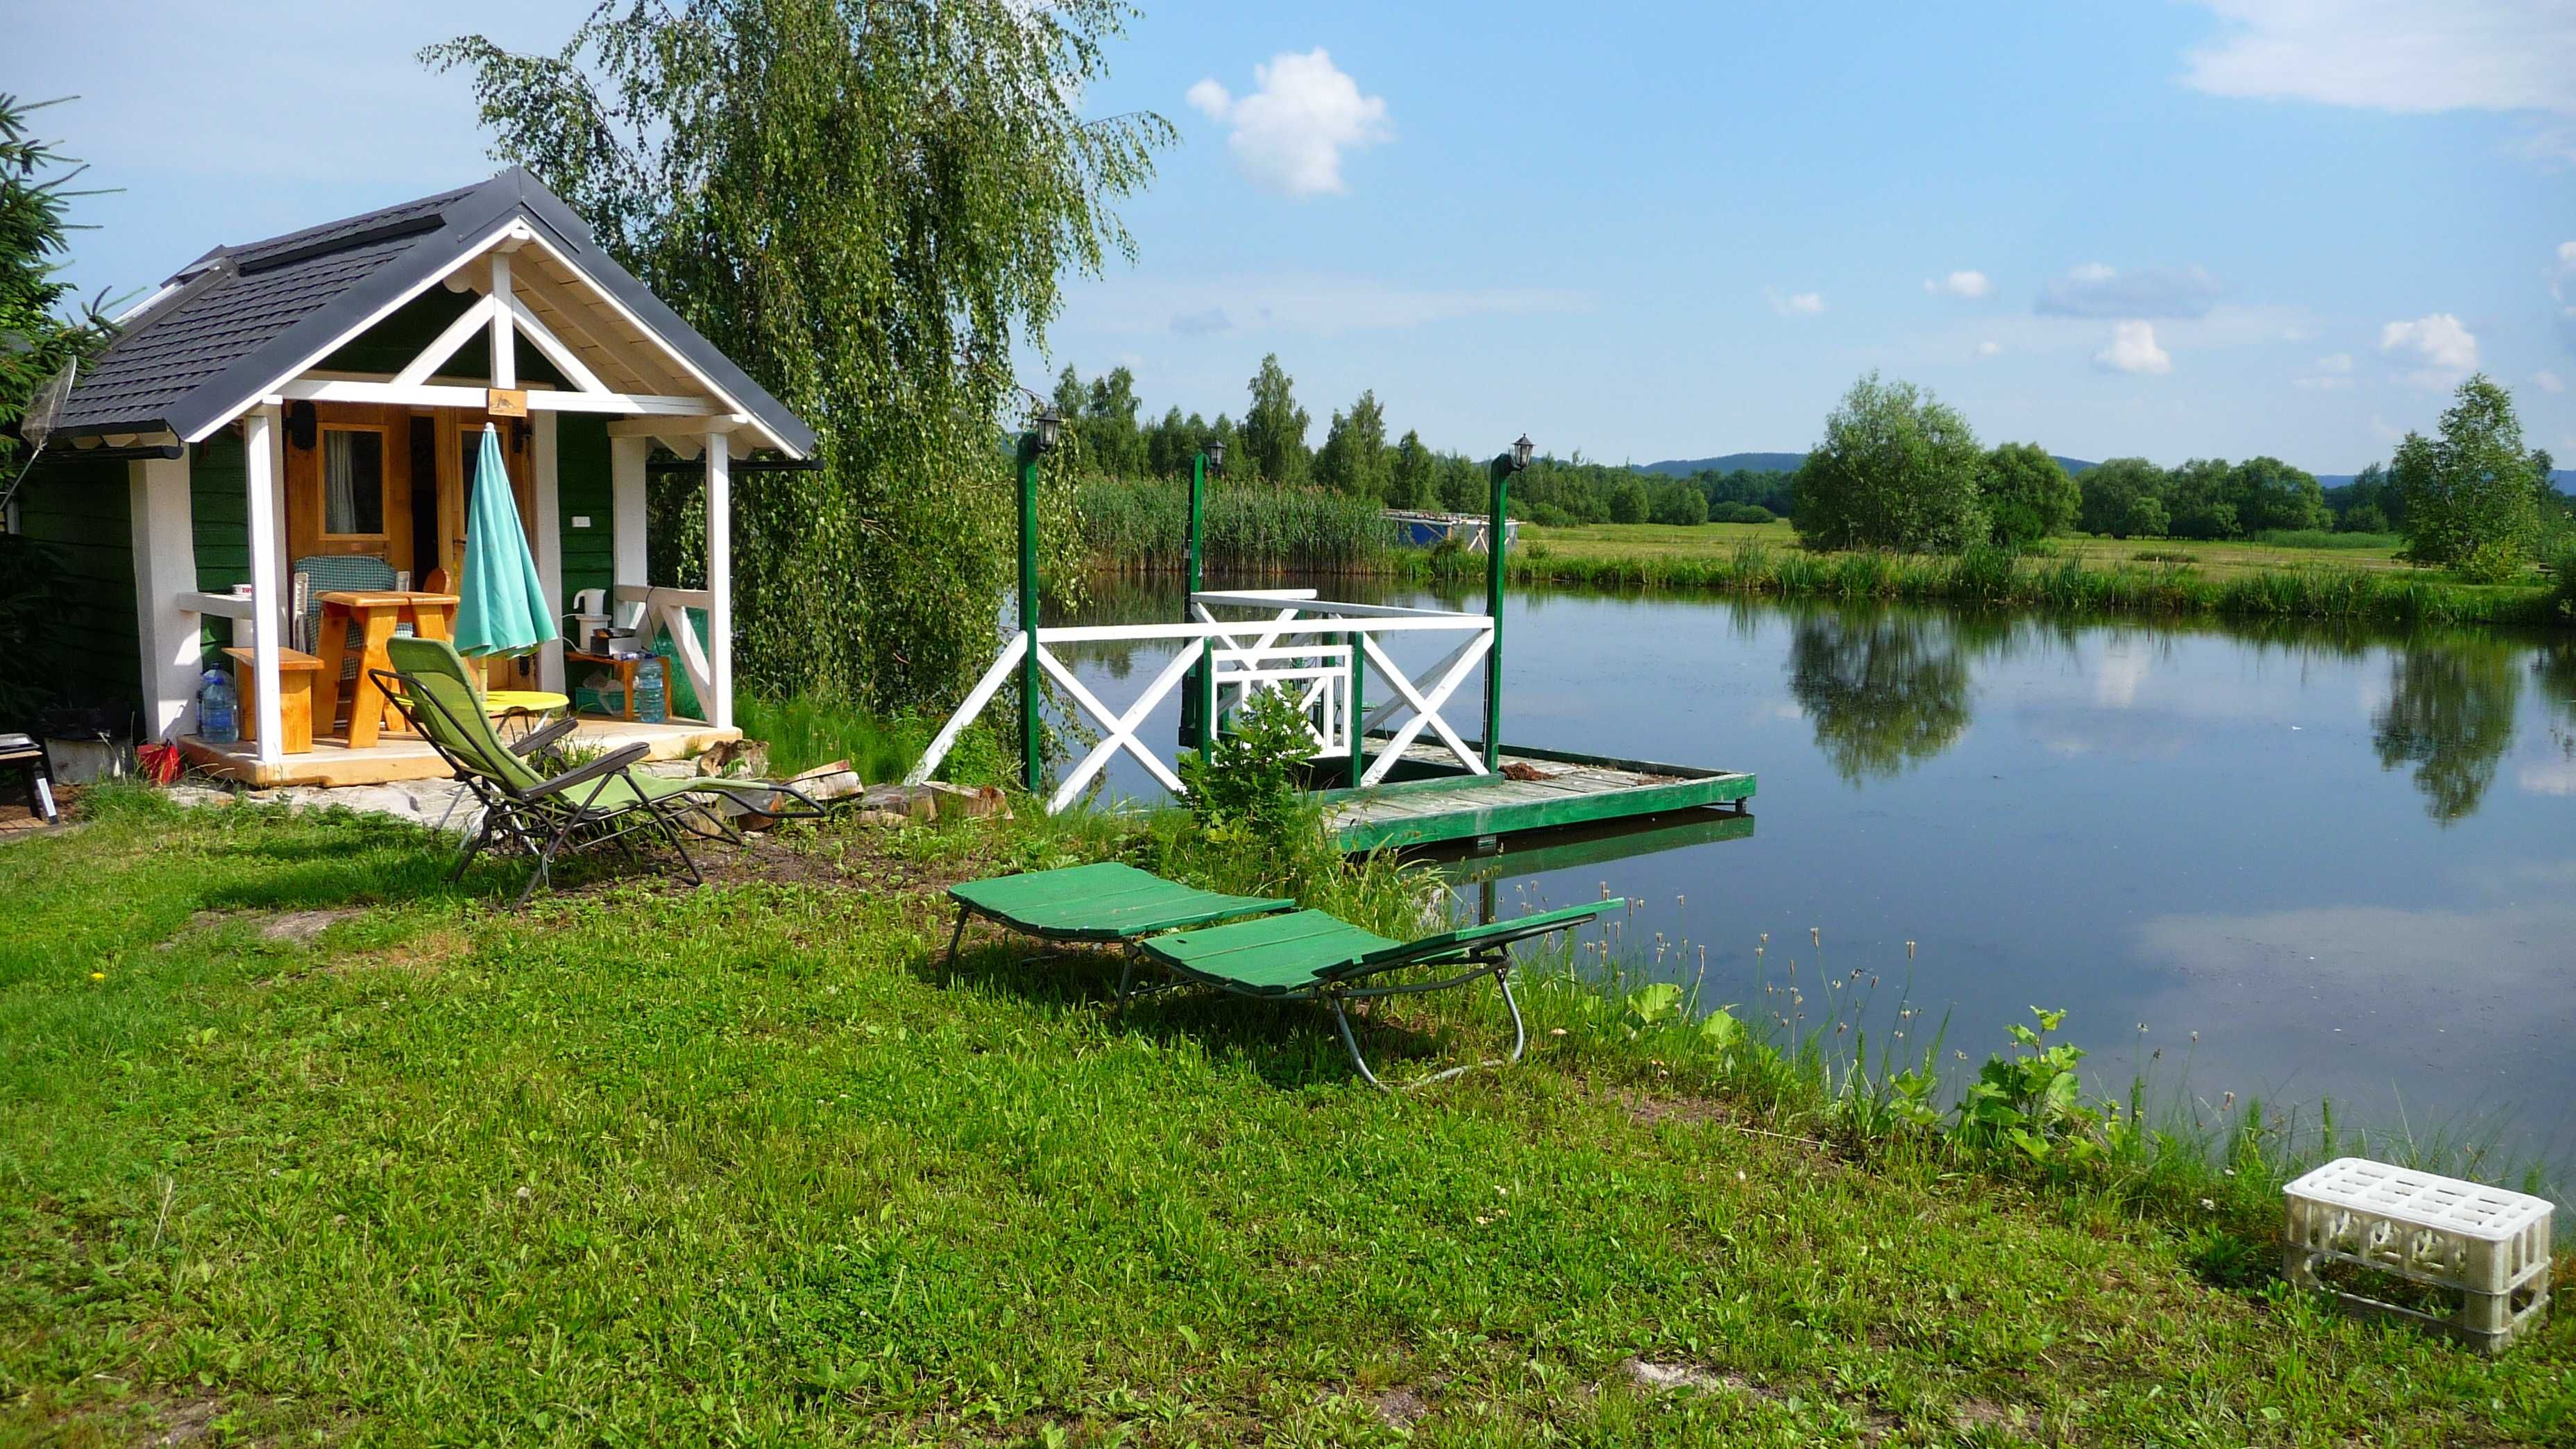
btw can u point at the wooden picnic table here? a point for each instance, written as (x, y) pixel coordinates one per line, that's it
(375, 613)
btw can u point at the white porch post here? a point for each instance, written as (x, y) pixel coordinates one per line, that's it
(260, 466)
(505, 355)
(550, 662)
(719, 454)
(165, 566)
(626, 516)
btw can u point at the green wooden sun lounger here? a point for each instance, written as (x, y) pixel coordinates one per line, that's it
(1103, 902)
(1312, 956)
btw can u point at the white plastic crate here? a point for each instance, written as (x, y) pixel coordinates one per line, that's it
(2489, 1245)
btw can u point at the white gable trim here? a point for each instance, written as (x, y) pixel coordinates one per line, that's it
(732, 404)
(516, 229)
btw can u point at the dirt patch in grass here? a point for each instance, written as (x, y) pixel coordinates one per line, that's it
(424, 955)
(1401, 1408)
(1974, 1414)
(188, 1421)
(1662, 1377)
(1649, 1111)
(300, 927)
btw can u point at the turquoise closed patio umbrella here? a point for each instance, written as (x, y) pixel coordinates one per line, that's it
(501, 606)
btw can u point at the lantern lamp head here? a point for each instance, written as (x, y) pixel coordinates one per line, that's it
(1050, 429)
(1521, 453)
(1216, 457)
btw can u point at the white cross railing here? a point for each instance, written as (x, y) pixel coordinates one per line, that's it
(1305, 647)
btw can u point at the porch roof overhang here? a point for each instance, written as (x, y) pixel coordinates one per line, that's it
(245, 326)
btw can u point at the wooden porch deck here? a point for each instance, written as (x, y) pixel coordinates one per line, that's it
(396, 757)
(1428, 799)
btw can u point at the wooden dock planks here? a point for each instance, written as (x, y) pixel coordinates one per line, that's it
(1439, 803)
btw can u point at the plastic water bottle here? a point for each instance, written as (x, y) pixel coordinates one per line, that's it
(218, 708)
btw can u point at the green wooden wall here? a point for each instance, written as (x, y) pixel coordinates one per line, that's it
(583, 490)
(78, 510)
(219, 510)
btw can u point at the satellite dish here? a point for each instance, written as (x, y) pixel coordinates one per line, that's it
(46, 407)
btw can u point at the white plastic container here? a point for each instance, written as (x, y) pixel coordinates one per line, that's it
(2489, 1245)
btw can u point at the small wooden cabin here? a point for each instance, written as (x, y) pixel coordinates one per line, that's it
(319, 396)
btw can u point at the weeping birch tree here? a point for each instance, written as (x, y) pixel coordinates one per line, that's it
(865, 203)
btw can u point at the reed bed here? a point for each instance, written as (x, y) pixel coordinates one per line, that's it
(2000, 578)
(1143, 527)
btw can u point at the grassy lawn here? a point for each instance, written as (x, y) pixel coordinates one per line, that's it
(2215, 560)
(298, 1143)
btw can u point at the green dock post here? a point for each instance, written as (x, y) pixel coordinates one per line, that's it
(1193, 728)
(1033, 446)
(1030, 764)
(1198, 522)
(1497, 530)
(1359, 708)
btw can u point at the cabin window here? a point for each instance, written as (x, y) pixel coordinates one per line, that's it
(353, 483)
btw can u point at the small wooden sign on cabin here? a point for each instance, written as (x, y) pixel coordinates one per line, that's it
(506, 402)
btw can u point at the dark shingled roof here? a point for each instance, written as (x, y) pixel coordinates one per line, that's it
(237, 320)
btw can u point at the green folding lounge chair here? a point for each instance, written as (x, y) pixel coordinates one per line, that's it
(1096, 903)
(1311, 956)
(591, 806)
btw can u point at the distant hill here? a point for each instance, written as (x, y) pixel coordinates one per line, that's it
(1766, 463)
(1757, 462)
(2565, 478)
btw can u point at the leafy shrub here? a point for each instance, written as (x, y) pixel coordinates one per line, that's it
(1740, 513)
(2030, 1102)
(2320, 538)
(1245, 788)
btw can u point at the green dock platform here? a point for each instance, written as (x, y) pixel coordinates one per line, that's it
(1428, 799)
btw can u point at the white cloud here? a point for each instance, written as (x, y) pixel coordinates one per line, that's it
(1969, 284)
(2098, 290)
(1795, 304)
(2548, 381)
(2446, 349)
(1290, 133)
(2330, 373)
(2395, 55)
(1989, 348)
(2133, 349)
(2562, 286)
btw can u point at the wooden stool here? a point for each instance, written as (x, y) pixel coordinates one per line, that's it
(297, 673)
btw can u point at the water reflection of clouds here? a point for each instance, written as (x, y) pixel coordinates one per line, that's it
(2466, 1006)
(2554, 777)
(2076, 730)
(2124, 667)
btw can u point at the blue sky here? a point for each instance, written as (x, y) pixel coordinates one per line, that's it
(1648, 231)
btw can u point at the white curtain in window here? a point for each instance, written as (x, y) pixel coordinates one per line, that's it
(339, 483)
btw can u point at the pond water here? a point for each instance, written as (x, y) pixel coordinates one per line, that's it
(2346, 860)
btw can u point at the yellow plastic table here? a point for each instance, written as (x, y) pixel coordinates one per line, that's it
(527, 706)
